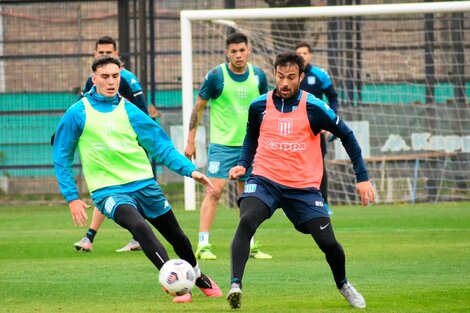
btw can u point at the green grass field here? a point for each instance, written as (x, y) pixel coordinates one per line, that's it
(402, 258)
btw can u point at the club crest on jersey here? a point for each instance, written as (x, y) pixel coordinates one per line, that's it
(242, 92)
(311, 80)
(109, 126)
(285, 126)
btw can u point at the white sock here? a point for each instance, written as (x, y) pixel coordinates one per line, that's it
(203, 239)
(197, 270)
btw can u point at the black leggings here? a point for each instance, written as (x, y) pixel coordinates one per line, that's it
(253, 212)
(129, 218)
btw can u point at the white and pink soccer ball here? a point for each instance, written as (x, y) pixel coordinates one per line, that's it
(177, 277)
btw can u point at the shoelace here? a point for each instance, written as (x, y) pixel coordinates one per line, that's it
(349, 291)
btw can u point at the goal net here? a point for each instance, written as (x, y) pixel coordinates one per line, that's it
(402, 73)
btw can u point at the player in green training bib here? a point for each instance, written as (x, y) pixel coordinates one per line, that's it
(131, 90)
(229, 88)
(115, 141)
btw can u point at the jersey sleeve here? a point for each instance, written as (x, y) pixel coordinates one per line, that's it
(131, 89)
(322, 117)
(332, 97)
(324, 77)
(157, 143)
(208, 87)
(137, 99)
(87, 87)
(262, 80)
(68, 131)
(250, 143)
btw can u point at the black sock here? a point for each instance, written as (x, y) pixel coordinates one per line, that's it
(236, 280)
(90, 234)
(203, 281)
(340, 284)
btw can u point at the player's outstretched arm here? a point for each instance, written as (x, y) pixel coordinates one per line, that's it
(77, 209)
(366, 192)
(236, 172)
(202, 179)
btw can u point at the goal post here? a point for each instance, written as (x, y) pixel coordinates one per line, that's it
(377, 91)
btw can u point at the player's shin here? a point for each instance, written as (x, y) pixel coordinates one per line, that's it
(126, 216)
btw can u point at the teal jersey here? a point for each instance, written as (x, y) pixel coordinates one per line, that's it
(231, 95)
(213, 83)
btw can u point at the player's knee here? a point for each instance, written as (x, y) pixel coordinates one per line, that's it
(215, 193)
(329, 246)
(140, 227)
(180, 239)
(246, 221)
(253, 209)
(250, 221)
(303, 228)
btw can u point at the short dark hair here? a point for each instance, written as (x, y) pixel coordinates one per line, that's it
(104, 60)
(303, 44)
(290, 58)
(236, 38)
(106, 40)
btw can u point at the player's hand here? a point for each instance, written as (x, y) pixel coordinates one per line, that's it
(201, 178)
(153, 111)
(77, 209)
(236, 172)
(327, 135)
(366, 191)
(190, 151)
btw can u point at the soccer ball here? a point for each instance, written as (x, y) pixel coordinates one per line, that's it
(177, 277)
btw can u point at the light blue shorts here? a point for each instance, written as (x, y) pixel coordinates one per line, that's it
(221, 159)
(149, 201)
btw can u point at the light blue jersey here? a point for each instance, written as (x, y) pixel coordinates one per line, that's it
(150, 136)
